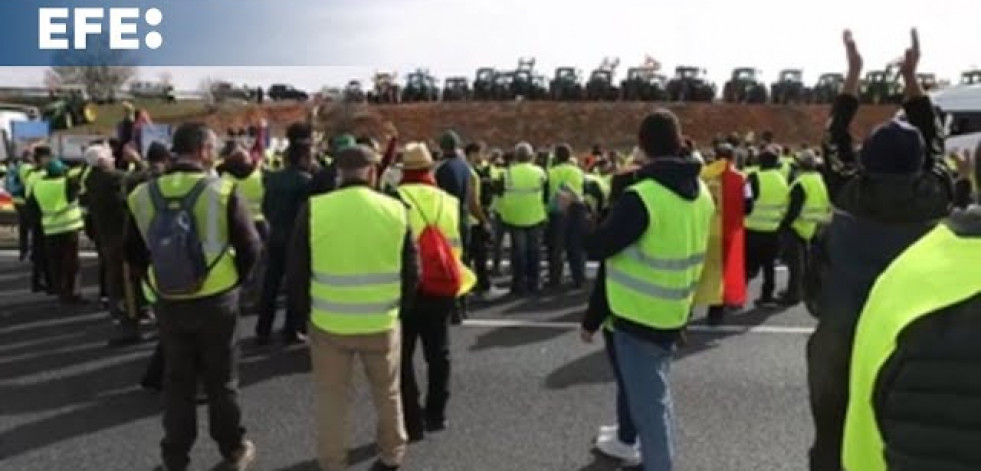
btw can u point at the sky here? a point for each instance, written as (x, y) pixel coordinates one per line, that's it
(455, 37)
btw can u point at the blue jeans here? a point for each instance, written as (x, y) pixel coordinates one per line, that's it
(644, 367)
(626, 432)
(526, 245)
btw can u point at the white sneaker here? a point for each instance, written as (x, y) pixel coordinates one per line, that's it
(614, 448)
(606, 431)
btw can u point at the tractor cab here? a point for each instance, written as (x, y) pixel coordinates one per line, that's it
(971, 77)
(689, 73)
(567, 74)
(745, 74)
(792, 76)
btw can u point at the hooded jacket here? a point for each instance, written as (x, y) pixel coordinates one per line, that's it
(626, 224)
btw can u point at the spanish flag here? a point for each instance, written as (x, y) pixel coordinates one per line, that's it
(723, 279)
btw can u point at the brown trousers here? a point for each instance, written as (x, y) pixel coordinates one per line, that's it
(62, 255)
(333, 357)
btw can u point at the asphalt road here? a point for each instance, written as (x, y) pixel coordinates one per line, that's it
(527, 393)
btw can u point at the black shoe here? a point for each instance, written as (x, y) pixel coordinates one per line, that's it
(435, 425)
(240, 459)
(415, 434)
(766, 302)
(381, 466)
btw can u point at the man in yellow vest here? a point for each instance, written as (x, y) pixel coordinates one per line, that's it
(567, 224)
(249, 180)
(429, 318)
(808, 208)
(195, 281)
(14, 183)
(913, 390)
(770, 194)
(788, 164)
(654, 242)
(54, 201)
(41, 280)
(523, 214)
(352, 267)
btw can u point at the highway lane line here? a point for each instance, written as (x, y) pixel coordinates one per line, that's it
(722, 329)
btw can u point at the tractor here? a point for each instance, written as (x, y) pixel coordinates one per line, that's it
(353, 92)
(503, 86)
(567, 84)
(971, 77)
(745, 86)
(386, 89)
(827, 88)
(643, 83)
(928, 81)
(600, 86)
(523, 83)
(68, 106)
(689, 84)
(790, 88)
(483, 84)
(420, 86)
(882, 86)
(457, 89)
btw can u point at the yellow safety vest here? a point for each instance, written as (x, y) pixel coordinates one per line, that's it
(653, 281)
(751, 170)
(771, 204)
(251, 188)
(33, 177)
(935, 272)
(786, 167)
(522, 204)
(58, 215)
(817, 205)
(211, 221)
(496, 174)
(566, 176)
(356, 240)
(604, 190)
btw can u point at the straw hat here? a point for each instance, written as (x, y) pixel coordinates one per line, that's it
(416, 157)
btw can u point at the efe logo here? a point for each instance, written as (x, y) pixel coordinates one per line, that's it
(122, 27)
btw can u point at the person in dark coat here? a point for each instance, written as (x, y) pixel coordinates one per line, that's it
(886, 197)
(286, 192)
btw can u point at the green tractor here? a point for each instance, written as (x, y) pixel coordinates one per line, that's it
(827, 88)
(68, 107)
(457, 89)
(420, 86)
(567, 84)
(790, 88)
(882, 86)
(971, 77)
(745, 86)
(690, 85)
(643, 83)
(600, 86)
(483, 84)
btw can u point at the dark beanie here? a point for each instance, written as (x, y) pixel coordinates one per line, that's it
(893, 148)
(660, 134)
(449, 141)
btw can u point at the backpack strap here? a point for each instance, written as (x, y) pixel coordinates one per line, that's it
(426, 221)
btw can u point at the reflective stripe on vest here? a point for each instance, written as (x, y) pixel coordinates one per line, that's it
(771, 204)
(250, 188)
(522, 204)
(934, 273)
(653, 282)
(817, 206)
(58, 215)
(475, 187)
(210, 214)
(434, 203)
(356, 241)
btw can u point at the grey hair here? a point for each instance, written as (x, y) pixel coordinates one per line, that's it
(524, 152)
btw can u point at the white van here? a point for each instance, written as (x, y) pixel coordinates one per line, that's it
(961, 109)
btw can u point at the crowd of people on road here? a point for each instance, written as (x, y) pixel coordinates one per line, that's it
(379, 248)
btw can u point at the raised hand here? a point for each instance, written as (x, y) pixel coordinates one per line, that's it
(911, 59)
(851, 51)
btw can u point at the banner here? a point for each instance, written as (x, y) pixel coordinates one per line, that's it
(72, 147)
(150, 133)
(23, 134)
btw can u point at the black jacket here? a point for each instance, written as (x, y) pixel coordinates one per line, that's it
(926, 394)
(626, 223)
(298, 264)
(285, 192)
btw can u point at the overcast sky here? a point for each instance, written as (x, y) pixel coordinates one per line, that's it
(455, 37)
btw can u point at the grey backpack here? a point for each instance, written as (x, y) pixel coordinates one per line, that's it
(176, 251)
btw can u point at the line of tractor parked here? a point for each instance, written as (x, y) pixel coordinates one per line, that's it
(642, 83)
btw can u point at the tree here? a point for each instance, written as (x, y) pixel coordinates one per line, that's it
(100, 81)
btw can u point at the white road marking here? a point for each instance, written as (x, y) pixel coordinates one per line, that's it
(84, 254)
(722, 329)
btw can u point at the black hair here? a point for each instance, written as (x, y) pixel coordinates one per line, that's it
(42, 151)
(768, 159)
(660, 134)
(190, 137)
(563, 152)
(472, 148)
(157, 153)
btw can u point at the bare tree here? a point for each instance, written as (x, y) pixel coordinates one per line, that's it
(100, 81)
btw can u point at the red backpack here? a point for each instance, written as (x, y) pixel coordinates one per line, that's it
(441, 274)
